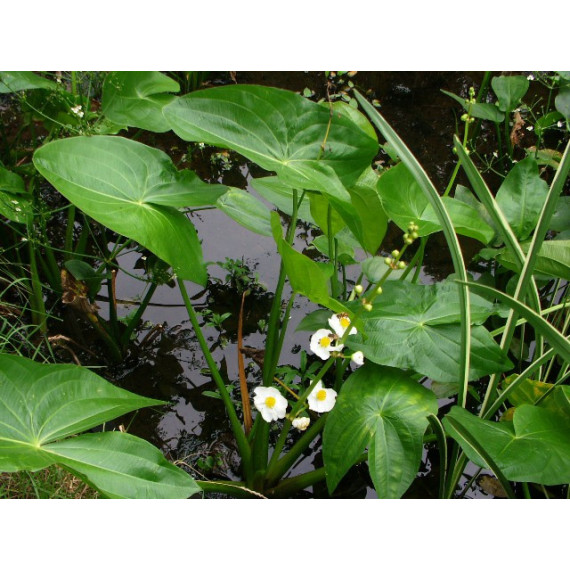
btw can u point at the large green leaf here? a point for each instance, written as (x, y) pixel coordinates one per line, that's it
(11, 81)
(136, 98)
(41, 404)
(383, 410)
(121, 465)
(417, 327)
(405, 202)
(534, 447)
(521, 197)
(509, 90)
(277, 129)
(134, 190)
(553, 258)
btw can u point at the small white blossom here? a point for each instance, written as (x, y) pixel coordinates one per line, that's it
(357, 358)
(270, 403)
(559, 124)
(530, 128)
(339, 323)
(301, 423)
(530, 77)
(77, 110)
(321, 399)
(322, 344)
(495, 154)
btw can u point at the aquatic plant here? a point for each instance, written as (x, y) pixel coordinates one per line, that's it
(408, 343)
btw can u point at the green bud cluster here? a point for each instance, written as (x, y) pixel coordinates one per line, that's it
(411, 234)
(466, 118)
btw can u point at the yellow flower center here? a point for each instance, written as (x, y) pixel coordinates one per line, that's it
(344, 322)
(270, 401)
(325, 342)
(321, 395)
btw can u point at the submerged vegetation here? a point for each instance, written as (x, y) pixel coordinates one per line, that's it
(470, 371)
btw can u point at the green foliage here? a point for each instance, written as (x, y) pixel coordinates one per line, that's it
(43, 408)
(417, 327)
(534, 447)
(136, 98)
(134, 190)
(383, 410)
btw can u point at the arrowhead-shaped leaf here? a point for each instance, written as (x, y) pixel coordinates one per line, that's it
(417, 327)
(383, 410)
(279, 130)
(534, 447)
(136, 98)
(41, 404)
(134, 190)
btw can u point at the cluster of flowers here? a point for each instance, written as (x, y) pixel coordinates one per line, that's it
(273, 406)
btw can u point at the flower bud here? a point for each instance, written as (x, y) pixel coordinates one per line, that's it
(401, 264)
(359, 289)
(367, 307)
(395, 253)
(388, 260)
(379, 290)
(301, 423)
(357, 358)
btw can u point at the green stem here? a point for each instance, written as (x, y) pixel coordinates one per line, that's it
(279, 466)
(242, 443)
(138, 315)
(69, 232)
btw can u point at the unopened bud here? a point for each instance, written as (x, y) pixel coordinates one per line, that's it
(401, 264)
(367, 307)
(359, 289)
(395, 253)
(388, 260)
(379, 290)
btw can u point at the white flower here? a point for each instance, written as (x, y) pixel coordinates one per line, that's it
(530, 77)
(77, 110)
(270, 403)
(321, 399)
(301, 423)
(559, 124)
(339, 323)
(357, 358)
(322, 344)
(530, 128)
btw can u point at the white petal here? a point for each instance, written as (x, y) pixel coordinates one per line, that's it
(315, 346)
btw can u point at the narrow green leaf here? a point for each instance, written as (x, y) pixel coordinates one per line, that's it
(555, 338)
